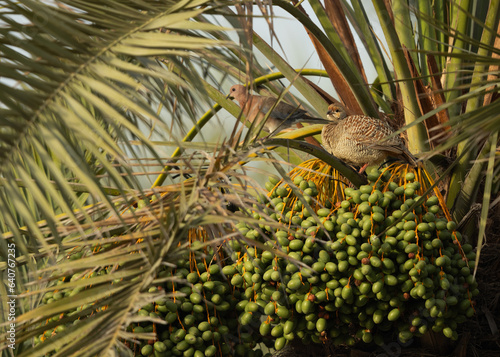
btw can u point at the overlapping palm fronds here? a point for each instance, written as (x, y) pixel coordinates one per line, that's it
(90, 91)
(80, 79)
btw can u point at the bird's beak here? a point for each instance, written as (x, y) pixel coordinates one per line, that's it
(329, 112)
(229, 96)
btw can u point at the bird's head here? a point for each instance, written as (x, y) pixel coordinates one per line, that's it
(238, 92)
(335, 112)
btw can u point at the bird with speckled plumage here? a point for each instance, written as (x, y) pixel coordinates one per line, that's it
(359, 139)
(281, 115)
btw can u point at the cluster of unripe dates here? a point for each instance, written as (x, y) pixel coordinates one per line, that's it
(383, 263)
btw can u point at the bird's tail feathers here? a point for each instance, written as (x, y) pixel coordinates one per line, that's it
(312, 120)
(412, 160)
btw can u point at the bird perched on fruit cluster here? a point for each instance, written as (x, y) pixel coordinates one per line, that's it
(359, 139)
(282, 115)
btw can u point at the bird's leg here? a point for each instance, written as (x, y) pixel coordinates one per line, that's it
(362, 169)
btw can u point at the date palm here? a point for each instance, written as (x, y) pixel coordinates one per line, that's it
(94, 94)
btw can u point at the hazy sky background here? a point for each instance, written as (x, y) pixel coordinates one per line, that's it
(297, 44)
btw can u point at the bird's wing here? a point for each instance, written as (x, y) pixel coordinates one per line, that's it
(281, 110)
(372, 132)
